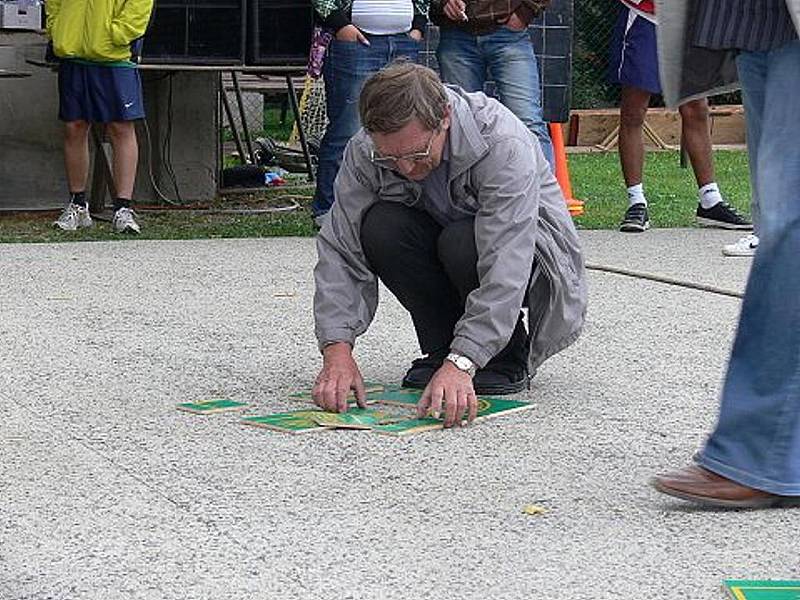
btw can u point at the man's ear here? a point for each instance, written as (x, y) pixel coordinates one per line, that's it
(446, 119)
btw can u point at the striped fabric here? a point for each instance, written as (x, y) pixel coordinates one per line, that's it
(383, 17)
(753, 25)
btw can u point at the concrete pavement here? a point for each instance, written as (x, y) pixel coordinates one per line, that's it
(107, 491)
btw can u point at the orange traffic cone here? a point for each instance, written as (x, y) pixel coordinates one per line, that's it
(574, 206)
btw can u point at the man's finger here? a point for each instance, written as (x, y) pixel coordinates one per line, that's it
(450, 407)
(461, 406)
(342, 391)
(361, 394)
(360, 37)
(472, 402)
(437, 395)
(424, 404)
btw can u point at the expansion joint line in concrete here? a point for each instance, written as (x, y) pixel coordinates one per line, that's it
(667, 280)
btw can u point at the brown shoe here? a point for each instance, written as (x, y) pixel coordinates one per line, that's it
(700, 485)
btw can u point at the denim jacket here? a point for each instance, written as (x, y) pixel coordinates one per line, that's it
(498, 174)
(335, 14)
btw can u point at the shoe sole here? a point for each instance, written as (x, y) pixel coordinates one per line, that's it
(413, 384)
(632, 228)
(769, 502)
(703, 222)
(502, 389)
(736, 253)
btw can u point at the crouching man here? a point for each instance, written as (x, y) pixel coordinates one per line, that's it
(446, 197)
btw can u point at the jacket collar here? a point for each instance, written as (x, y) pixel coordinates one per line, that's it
(464, 138)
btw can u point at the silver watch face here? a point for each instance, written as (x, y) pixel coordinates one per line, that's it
(463, 363)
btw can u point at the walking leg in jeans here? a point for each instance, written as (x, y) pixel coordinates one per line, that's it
(512, 65)
(757, 439)
(347, 66)
(400, 244)
(752, 458)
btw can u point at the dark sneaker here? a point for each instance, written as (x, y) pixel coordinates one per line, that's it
(636, 219)
(422, 369)
(500, 379)
(722, 215)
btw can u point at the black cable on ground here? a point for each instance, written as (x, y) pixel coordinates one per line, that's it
(663, 279)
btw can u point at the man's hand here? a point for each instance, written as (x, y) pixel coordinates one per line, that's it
(515, 23)
(454, 9)
(351, 33)
(415, 34)
(339, 375)
(449, 390)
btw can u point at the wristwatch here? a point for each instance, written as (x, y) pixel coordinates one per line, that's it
(462, 363)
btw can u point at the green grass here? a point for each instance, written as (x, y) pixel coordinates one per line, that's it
(671, 191)
(596, 179)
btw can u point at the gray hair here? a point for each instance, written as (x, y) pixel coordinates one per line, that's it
(398, 94)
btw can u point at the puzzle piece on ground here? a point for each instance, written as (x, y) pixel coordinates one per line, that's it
(487, 408)
(298, 421)
(307, 421)
(355, 419)
(742, 589)
(208, 407)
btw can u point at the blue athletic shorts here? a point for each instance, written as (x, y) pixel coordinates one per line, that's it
(633, 54)
(98, 93)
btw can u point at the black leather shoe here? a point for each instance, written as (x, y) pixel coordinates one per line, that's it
(422, 369)
(500, 379)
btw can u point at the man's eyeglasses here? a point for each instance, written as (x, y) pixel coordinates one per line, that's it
(415, 157)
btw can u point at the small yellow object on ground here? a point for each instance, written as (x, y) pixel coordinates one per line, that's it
(533, 509)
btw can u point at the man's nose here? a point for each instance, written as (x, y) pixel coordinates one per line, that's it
(405, 166)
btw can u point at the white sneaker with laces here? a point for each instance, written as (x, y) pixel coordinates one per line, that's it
(124, 222)
(74, 217)
(744, 246)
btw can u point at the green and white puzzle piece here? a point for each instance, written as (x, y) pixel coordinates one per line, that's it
(744, 589)
(297, 421)
(208, 407)
(355, 419)
(487, 408)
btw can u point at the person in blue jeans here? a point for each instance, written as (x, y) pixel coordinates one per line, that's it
(367, 35)
(752, 458)
(490, 37)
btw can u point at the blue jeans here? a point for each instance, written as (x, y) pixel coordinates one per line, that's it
(347, 66)
(757, 438)
(507, 55)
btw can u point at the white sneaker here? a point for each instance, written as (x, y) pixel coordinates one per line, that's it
(124, 222)
(745, 246)
(74, 217)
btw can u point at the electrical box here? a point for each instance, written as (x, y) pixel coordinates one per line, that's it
(20, 15)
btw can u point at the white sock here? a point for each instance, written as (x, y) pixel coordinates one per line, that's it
(709, 195)
(636, 195)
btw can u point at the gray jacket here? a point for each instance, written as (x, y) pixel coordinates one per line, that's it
(497, 173)
(688, 72)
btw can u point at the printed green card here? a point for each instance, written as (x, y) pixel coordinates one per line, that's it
(208, 407)
(487, 408)
(743, 589)
(355, 418)
(298, 421)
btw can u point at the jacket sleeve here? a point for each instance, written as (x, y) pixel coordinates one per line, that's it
(420, 15)
(505, 235)
(131, 21)
(51, 9)
(329, 15)
(530, 9)
(346, 291)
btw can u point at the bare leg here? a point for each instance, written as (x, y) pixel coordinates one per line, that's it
(126, 156)
(76, 155)
(631, 146)
(697, 139)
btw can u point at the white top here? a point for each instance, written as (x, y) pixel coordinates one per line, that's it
(383, 17)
